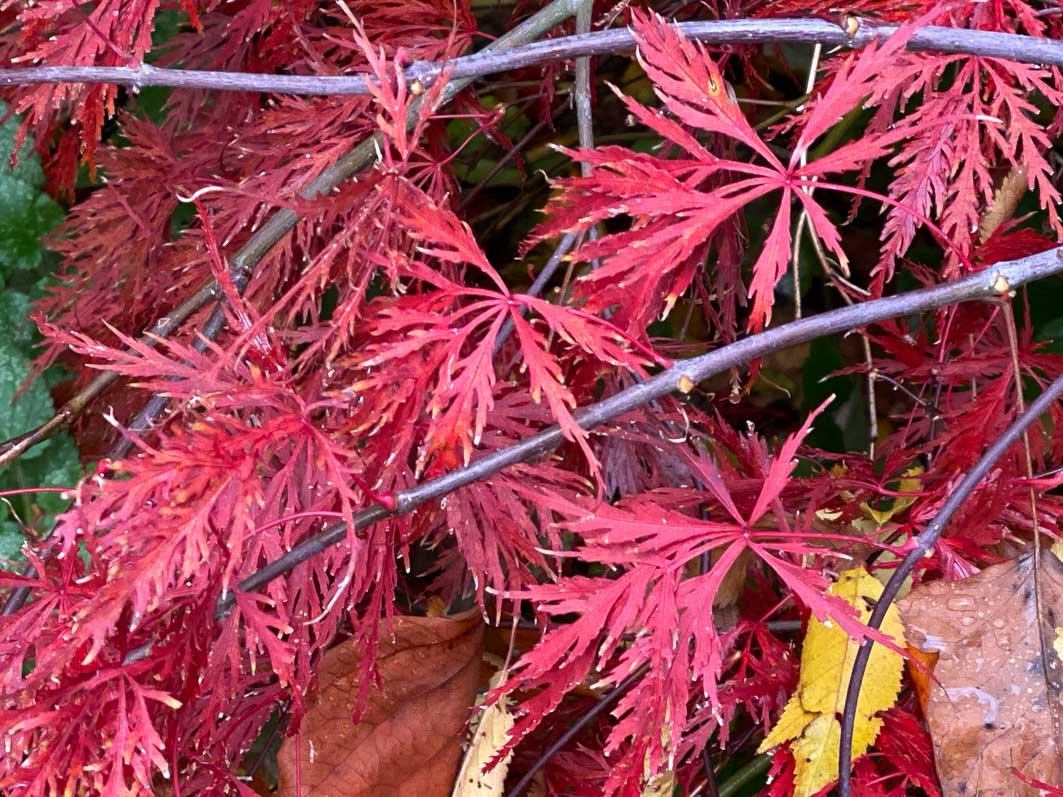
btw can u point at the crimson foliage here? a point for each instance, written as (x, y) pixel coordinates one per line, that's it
(382, 342)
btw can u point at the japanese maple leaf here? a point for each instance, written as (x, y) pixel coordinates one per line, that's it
(679, 203)
(975, 115)
(666, 613)
(457, 327)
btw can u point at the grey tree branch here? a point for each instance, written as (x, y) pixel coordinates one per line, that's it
(495, 58)
(991, 44)
(243, 263)
(924, 542)
(997, 280)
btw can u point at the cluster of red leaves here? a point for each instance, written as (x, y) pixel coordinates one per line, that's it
(117, 674)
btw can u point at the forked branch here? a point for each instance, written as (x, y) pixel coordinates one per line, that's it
(509, 52)
(258, 246)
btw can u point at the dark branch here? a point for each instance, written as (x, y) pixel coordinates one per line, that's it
(264, 239)
(924, 542)
(995, 281)
(243, 264)
(991, 44)
(604, 702)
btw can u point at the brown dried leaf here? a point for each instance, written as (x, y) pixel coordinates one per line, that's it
(408, 741)
(996, 700)
(1006, 201)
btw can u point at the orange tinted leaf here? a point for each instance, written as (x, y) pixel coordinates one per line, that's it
(993, 707)
(920, 671)
(408, 741)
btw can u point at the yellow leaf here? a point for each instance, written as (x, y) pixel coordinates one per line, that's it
(816, 752)
(1057, 549)
(827, 656)
(660, 786)
(437, 607)
(910, 483)
(491, 734)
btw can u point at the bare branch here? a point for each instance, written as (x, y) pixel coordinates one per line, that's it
(991, 44)
(924, 542)
(997, 280)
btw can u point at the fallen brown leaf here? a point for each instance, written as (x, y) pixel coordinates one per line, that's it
(408, 741)
(996, 699)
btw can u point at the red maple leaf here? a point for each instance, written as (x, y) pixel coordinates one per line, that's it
(678, 204)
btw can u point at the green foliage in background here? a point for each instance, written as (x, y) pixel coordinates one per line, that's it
(26, 215)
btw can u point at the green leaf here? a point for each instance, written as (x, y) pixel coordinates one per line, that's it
(33, 407)
(53, 463)
(28, 167)
(16, 329)
(26, 214)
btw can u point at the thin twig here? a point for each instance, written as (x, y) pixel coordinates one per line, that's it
(584, 115)
(991, 44)
(582, 92)
(924, 542)
(581, 97)
(994, 281)
(1025, 49)
(1013, 347)
(802, 221)
(568, 240)
(585, 719)
(928, 407)
(244, 261)
(803, 224)
(502, 162)
(711, 788)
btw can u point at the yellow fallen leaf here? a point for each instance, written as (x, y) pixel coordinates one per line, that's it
(816, 751)
(663, 785)
(811, 715)
(911, 482)
(491, 734)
